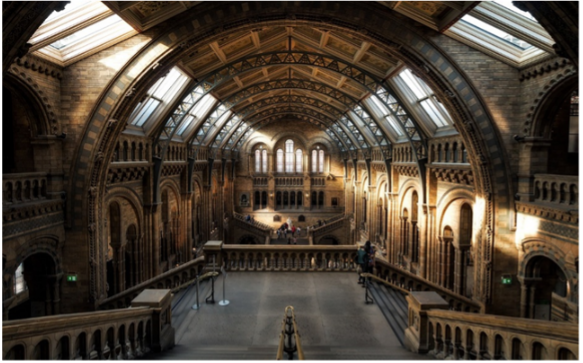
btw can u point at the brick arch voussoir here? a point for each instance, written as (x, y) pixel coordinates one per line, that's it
(48, 245)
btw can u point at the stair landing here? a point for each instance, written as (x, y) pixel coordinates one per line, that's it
(333, 320)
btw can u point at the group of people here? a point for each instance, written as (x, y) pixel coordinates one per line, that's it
(285, 229)
(366, 260)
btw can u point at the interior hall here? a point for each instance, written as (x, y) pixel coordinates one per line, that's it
(155, 151)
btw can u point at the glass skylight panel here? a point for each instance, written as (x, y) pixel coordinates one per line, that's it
(185, 123)
(394, 124)
(174, 77)
(508, 5)
(143, 112)
(500, 34)
(379, 105)
(87, 32)
(414, 83)
(433, 112)
(203, 106)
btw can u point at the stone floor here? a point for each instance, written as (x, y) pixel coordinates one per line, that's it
(332, 318)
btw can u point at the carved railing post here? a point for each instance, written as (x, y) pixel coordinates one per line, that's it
(160, 302)
(417, 337)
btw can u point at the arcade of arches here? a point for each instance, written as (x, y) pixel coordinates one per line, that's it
(123, 155)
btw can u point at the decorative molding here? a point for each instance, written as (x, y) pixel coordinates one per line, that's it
(548, 212)
(119, 174)
(458, 176)
(545, 67)
(39, 65)
(407, 170)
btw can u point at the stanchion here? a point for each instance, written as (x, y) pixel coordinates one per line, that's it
(211, 298)
(224, 302)
(367, 298)
(197, 305)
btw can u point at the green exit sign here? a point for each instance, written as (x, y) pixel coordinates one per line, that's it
(72, 278)
(506, 279)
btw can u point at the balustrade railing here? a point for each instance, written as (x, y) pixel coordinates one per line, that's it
(23, 188)
(114, 334)
(318, 181)
(411, 282)
(167, 280)
(458, 335)
(557, 189)
(332, 224)
(260, 181)
(289, 181)
(264, 228)
(289, 258)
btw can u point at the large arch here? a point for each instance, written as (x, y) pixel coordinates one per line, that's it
(469, 111)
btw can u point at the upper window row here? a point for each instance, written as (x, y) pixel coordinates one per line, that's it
(289, 160)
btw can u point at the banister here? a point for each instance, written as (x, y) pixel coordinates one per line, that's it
(382, 263)
(134, 290)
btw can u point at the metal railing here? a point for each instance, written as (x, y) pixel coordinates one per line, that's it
(289, 329)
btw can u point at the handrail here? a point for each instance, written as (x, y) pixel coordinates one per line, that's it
(289, 320)
(448, 295)
(385, 282)
(262, 226)
(135, 290)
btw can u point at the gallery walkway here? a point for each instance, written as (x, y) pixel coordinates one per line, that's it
(333, 320)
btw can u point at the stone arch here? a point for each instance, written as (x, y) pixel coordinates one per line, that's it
(19, 82)
(328, 240)
(248, 239)
(546, 105)
(412, 47)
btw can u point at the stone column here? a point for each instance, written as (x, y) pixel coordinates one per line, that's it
(523, 299)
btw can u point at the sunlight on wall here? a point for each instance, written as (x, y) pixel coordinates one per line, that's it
(119, 58)
(147, 59)
(478, 217)
(526, 225)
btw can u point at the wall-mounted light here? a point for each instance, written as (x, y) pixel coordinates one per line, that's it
(307, 195)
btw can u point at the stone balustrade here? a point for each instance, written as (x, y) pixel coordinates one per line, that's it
(289, 258)
(264, 228)
(318, 181)
(167, 280)
(23, 188)
(561, 190)
(412, 282)
(331, 225)
(115, 334)
(446, 334)
(289, 181)
(260, 181)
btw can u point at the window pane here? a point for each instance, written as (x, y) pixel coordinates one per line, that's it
(434, 115)
(88, 31)
(413, 82)
(257, 161)
(394, 124)
(314, 161)
(321, 162)
(19, 283)
(299, 159)
(280, 161)
(185, 123)
(289, 156)
(143, 113)
(264, 155)
(381, 106)
(174, 78)
(500, 34)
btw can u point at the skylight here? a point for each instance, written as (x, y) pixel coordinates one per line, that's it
(164, 90)
(198, 112)
(88, 31)
(497, 32)
(508, 5)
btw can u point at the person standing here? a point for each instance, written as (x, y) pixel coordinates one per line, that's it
(360, 260)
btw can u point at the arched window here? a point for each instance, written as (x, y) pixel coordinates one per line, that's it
(264, 160)
(280, 161)
(19, 283)
(321, 161)
(314, 161)
(257, 161)
(299, 159)
(289, 156)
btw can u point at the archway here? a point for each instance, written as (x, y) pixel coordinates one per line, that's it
(39, 272)
(543, 278)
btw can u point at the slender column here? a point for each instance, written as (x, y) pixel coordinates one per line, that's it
(458, 283)
(531, 302)
(523, 299)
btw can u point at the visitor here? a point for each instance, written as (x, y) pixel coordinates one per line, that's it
(293, 231)
(360, 260)
(247, 218)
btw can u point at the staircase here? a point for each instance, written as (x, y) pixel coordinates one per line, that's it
(394, 307)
